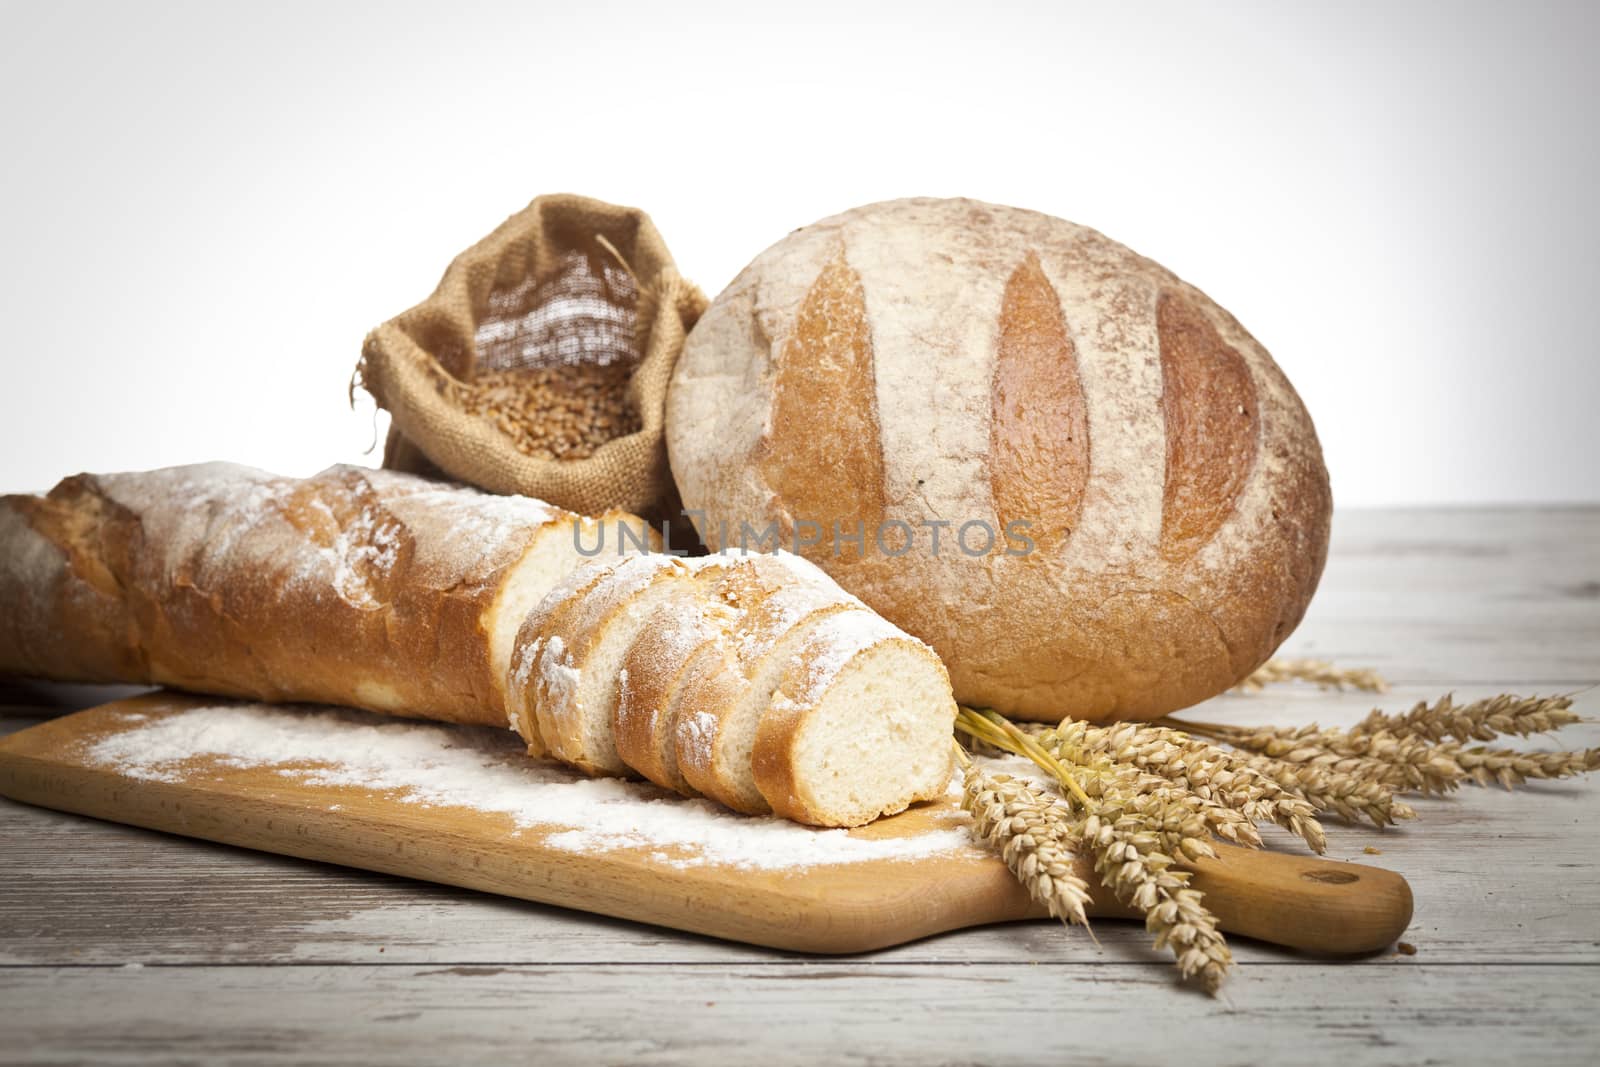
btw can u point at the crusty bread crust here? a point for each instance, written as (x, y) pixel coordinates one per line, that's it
(712, 686)
(360, 587)
(1177, 539)
(569, 713)
(64, 614)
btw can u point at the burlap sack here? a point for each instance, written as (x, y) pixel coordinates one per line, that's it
(566, 281)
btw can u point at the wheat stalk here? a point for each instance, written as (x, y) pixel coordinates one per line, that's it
(1035, 837)
(1203, 769)
(1349, 794)
(1481, 720)
(1405, 764)
(1126, 831)
(1204, 816)
(1185, 820)
(1319, 672)
(1146, 798)
(1130, 862)
(1487, 766)
(1182, 832)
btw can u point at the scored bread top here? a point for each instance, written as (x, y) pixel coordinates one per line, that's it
(989, 365)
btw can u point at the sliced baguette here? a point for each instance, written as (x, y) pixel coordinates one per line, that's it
(536, 639)
(858, 727)
(686, 626)
(726, 691)
(547, 584)
(576, 706)
(551, 555)
(755, 681)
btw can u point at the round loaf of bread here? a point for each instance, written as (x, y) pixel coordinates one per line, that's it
(1073, 474)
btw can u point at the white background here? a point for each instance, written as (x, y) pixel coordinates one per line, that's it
(204, 207)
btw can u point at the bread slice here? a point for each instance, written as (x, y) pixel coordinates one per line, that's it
(859, 725)
(755, 681)
(576, 705)
(551, 557)
(726, 691)
(529, 672)
(544, 586)
(687, 625)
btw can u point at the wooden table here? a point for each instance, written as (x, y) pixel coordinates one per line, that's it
(120, 945)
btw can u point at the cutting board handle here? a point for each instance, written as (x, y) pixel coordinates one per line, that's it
(1315, 905)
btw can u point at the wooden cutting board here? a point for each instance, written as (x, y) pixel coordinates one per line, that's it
(1294, 900)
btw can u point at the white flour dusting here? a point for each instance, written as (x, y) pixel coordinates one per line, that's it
(560, 677)
(695, 732)
(369, 540)
(482, 769)
(230, 513)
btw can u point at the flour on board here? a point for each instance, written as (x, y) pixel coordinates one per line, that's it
(485, 770)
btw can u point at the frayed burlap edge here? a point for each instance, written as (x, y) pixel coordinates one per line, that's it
(401, 359)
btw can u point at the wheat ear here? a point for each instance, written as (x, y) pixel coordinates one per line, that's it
(1130, 863)
(1126, 838)
(1489, 766)
(1319, 672)
(1203, 769)
(1184, 820)
(1405, 764)
(1481, 720)
(1035, 837)
(1351, 794)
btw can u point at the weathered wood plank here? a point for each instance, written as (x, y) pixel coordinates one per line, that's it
(1404, 1011)
(1458, 596)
